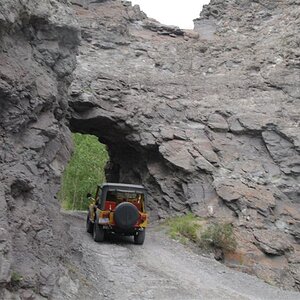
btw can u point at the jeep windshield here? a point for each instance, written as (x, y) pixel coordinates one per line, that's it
(118, 196)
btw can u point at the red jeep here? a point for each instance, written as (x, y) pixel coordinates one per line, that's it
(119, 209)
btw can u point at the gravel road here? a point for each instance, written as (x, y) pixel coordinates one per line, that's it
(160, 269)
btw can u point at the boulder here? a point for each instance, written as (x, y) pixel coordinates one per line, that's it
(272, 242)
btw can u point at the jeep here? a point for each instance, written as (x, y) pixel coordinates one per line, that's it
(118, 209)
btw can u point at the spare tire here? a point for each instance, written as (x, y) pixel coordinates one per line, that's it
(126, 215)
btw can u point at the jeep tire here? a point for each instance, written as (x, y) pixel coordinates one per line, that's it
(98, 232)
(126, 215)
(89, 224)
(139, 238)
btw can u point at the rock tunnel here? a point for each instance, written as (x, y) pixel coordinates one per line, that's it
(132, 161)
(127, 159)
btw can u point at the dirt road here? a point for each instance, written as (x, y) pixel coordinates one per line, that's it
(160, 269)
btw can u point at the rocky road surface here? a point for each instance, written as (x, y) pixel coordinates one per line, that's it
(160, 269)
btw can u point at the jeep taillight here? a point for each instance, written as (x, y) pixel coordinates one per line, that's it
(143, 217)
(105, 214)
(103, 217)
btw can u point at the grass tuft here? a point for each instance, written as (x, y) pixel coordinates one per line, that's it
(219, 236)
(184, 228)
(16, 278)
(207, 236)
(15, 281)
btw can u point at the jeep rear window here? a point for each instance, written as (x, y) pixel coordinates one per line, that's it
(119, 196)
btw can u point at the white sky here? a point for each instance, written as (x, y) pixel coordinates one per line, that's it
(172, 12)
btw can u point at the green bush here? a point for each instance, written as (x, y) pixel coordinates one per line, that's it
(84, 171)
(15, 280)
(184, 228)
(208, 236)
(219, 236)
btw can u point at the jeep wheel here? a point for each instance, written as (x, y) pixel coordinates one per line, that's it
(126, 215)
(89, 224)
(98, 233)
(140, 237)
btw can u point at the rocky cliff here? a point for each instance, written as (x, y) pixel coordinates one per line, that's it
(207, 119)
(38, 41)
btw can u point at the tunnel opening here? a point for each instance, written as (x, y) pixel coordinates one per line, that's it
(128, 161)
(136, 157)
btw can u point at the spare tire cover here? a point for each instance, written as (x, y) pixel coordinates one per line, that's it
(126, 215)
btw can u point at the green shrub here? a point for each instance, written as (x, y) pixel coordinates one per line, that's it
(15, 279)
(184, 228)
(219, 236)
(84, 171)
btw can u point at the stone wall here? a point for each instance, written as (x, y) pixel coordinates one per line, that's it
(38, 42)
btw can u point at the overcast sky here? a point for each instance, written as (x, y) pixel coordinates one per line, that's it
(172, 12)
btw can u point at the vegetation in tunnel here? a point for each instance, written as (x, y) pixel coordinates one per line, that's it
(84, 171)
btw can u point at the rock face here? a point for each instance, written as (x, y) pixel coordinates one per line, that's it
(38, 41)
(208, 119)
